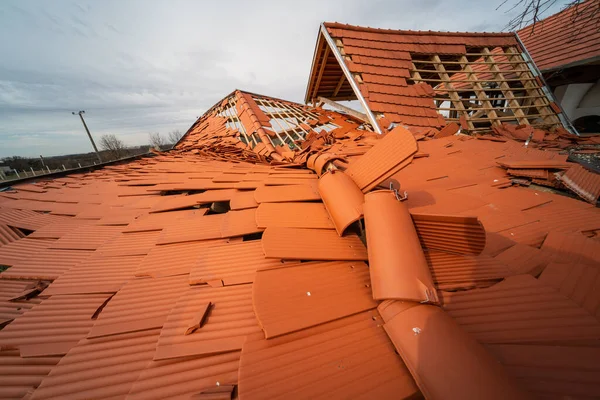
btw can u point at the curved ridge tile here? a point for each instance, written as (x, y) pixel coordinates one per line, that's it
(445, 361)
(342, 198)
(398, 266)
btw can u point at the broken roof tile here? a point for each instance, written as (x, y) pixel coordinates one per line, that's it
(229, 319)
(383, 160)
(454, 234)
(140, 305)
(292, 298)
(342, 199)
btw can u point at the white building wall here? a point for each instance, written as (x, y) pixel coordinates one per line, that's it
(579, 99)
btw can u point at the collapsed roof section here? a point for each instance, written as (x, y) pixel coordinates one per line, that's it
(424, 79)
(260, 128)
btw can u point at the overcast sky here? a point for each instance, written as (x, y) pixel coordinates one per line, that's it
(146, 66)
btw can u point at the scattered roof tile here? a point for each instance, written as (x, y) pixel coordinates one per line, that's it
(309, 294)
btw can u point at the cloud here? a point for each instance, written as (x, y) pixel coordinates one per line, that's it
(141, 66)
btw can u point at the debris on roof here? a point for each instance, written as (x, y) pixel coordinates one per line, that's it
(426, 79)
(283, 249)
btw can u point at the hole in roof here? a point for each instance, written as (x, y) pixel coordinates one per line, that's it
(253, 236)
(219, 207)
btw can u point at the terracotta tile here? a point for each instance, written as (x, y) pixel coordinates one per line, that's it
(229, 319)
(342, 199)
(572, 247)
(521, 309)
(230, 263)
(23, 374)
(311, 244)
(95, 274)
(565, 371)
(310, 294)
(583, 182)
(63, 319)
(293, 362)
(397, 272)
(277, 194)
(21, 250)
(186, 377)
(382, 160)
(158, 221)
(100, 368)
(243, 199)
(142, 304)
(16, 297)
(457, 271)
(87, 237)
(416, 334)
(293, 215)
(189, 230)
(523, 259)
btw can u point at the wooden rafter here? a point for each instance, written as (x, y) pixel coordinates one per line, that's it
(445, 78)
(532, 88)
(339, 85)
(506, 90)
(480, 92)
(321, 70)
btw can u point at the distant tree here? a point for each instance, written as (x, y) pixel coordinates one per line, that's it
(530, 12)
(156, 141)
(113, 145)
(174, 136)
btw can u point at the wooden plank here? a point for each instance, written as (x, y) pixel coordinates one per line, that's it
(455, 98)
(339, 85)
(480, 93)
(354, 113)
(532, 88)
(320, 75)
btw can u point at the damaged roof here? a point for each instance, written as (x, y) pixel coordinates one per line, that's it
(283, 250)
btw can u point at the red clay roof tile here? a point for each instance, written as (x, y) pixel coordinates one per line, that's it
(397, 264)
(309, 294)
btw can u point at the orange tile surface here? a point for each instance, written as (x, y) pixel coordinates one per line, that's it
(276, 194)
(95, 274)
(230, 264)
(564, 38)
(141, 304)
(383, 160)
(207, 279)
(342, 355)
(342, 199)
(63, 319)
(309, 294)
(174, 259)
(432, 344)
(398, 267)
(229, 319)
(293, 215)
(311, 244)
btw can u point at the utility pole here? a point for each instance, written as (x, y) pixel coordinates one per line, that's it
(80, 113)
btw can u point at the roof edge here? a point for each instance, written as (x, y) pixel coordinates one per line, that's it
(405, 32)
